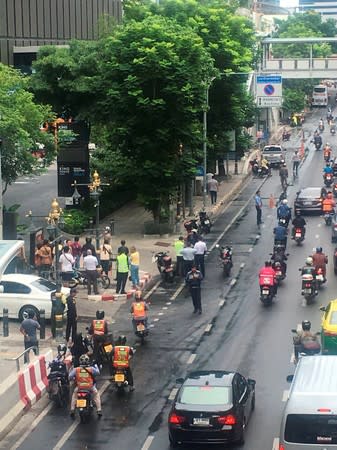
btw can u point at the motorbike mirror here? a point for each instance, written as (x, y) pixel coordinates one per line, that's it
(293, 330)
(290, 378)
(179, 380)
(217, 246)
(322, 308)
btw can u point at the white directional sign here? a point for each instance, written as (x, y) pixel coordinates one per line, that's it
(268, 90)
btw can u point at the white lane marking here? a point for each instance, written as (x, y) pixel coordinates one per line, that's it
(33, 425)
(173, 393)
(208, 328)
(285, 395)
(160, 314)
(233, 282)
(276, 444)
(177, 292)
(316, 236)
(156, 319)
(191, 358)
(73, 427)
(165, 307)
(147, 443)
(147, 295)
(242, 265)
(292, 358)
(222, 303)
(250, 250)
(168, 303)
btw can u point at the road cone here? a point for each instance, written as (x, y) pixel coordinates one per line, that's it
(271, 201)
(301, 150)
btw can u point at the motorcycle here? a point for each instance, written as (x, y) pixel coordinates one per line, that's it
(333, 130)
(328, 218)
(318, 145)
(309, 348)
(58, 382)
(165, 266)
(298, 235)
(308, 287)
(84, 405)
(191, 225)
(119, 379)
(327, 156)
(267, 294)
(286, 136)
(328, 179)
(321, 127)
(263, 172)
(225, 254)
(205, 223)
(141, 329)
(80, 277)
(279, 271)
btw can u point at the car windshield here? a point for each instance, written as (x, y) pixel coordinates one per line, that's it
(44, 285)
(205, 395)
(319, 90)
(272, 148)
(333, 318)
(311, 429)
(310, 193)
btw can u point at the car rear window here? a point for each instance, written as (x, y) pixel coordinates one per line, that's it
(310, 193)
(205, 395)
(44, 285)
(333, 318)
(311, 429)
(272, 149)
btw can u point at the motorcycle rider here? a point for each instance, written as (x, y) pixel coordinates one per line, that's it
(317, 140)
(279, 256)
(121, 359)
(99, 331)
(327, 151)
(139, 310)
(327, 169)
(280, 235)
(265, 166)
(284, 212)
(283, 172)
(84, 377)
(328, 204)
(305, 339)
(298, 222)
(309, 269)
(321, 124)
(267, 276)
(320, 260)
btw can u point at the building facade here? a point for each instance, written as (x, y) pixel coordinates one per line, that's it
(327, 8)
(27, 24)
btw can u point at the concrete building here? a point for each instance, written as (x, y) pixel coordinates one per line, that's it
(327, 8)
(27, 24)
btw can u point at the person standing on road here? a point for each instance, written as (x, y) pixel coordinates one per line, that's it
(76, 250)
(90, 264)
(201, 248)
(105, 255)
(123, 248)
(122, 265)
(28, 329)
(66, 261)
(88, 246)
(134, 266)
(71, 328)
(258, 207)
(193, 280)
(213, 186)
(296, 162)
(46, 259)
(178, 246)
(188, 253)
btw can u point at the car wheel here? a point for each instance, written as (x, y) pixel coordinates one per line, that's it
(23, 313)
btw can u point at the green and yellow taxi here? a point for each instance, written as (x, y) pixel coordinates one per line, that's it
(329, 328)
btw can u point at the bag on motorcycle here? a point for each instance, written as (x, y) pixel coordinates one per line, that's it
(311, 345)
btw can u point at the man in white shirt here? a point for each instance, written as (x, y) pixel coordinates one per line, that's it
(67, 262)
(200, 248)
(213, 190)
(188, 256)
(90, 264)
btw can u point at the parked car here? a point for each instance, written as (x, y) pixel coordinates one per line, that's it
(20, 293)
(329, 328)
(309, 199)
(274, 154)
(211, 407)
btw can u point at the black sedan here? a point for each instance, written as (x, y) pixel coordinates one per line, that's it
(211, 407)
(309, 199)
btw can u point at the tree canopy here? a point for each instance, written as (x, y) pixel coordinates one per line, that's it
(20, 122)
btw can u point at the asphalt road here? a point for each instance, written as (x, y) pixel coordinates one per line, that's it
(234, 332)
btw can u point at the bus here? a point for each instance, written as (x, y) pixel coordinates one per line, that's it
(320, 95)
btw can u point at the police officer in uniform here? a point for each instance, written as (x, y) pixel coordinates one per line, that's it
(193, 280)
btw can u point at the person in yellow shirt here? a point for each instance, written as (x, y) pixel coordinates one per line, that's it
(134, 266)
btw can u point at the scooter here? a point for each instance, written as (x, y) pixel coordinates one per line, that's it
(263, 172)
(318, 145)
(84, 405)
(321, 128)
(328, 179)
(309, 348)
(205, 223)
(279, 272)
(58, 382)
(308, 287)
(165, 266)
(225, 253)
(80, 277)
(328, 218)
(141, 329)
(333, 130)
(267, 294)
(327, 156)
(298, 235)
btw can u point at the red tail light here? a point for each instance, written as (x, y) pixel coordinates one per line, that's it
(227, 420)
(282, 447)
(176, 420)
(308, 285)
(81, 394)
(319, 271)
(298, 230)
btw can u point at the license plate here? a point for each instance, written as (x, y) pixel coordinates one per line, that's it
(307, 291)
(265, 291)
(206, 222)
(307, 203)
(319, 277)
(81, 403)
(108, 348)
(298, 235)
(119, 377)
(140, 327)
(201, 421)
(278, 273)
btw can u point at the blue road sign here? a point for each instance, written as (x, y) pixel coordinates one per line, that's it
(269, 89)
(267, 79)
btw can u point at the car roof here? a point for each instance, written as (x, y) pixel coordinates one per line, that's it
(333, 304)
(212, 377)
(20, 278)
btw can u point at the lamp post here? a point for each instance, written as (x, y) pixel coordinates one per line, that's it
(208, 84)
(55, 219)
(95, 193)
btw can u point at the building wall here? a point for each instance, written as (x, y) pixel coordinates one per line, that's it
(328, 8)
(42, 22)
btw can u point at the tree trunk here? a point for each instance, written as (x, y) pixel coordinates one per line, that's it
(221, 167)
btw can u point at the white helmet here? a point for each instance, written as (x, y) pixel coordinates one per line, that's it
(309, 261)
(284, 201)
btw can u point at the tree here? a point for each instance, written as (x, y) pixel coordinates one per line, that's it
(20, 122)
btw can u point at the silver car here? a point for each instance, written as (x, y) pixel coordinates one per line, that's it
(274, 154)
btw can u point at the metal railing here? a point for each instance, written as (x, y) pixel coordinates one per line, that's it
(17, 359)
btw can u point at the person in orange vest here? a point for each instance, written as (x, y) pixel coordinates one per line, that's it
(328, 204)
(121, 359)
(84, 377)
(139, 310)
(99, 331)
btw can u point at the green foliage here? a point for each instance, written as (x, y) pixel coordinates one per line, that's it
(293, 100)
(20, 121)
(76, 221)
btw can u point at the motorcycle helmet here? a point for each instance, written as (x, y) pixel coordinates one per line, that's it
(62, 349)
(121, 340)
(99, 315)
(138, 295)
(306, 325)
(309, 261)
(284, 201)
(319, 249)
(284, 164)
(84, 360)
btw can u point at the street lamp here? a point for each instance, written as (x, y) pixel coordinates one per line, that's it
(55, 219)
(95, 193)
(208, 84)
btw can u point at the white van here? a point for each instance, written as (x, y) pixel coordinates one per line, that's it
(320, 96)
(310, 414)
